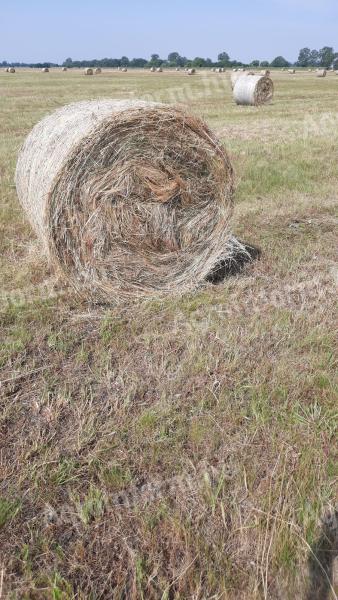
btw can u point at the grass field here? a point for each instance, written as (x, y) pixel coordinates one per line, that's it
(183, 449)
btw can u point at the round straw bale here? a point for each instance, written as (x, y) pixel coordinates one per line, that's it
(64, 68)
(191, 71)
(98, 71)
(129, 199)
(124, 69)
(235, 76)
(152, 69)
(253, 90)
(45, 70)
(11, 70)
(88, 71)
(265, 72)
(159, 69)
(292, 71)
(321, 73)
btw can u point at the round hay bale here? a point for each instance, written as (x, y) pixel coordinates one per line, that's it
(88, 71)
(152, 70)
(159, 70)
(191, 71)
(253, 90)
(265, 72)
(11, 70)
(292, 71)
(64, 68)
(98, 71)
(177, 69)
(45, 70)
(124, 69)
(321, 73)
(129, 199)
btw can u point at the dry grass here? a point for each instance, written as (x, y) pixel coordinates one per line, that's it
(179, 449)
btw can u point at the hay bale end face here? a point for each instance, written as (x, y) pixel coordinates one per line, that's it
(88, 71)
(253, 90)
(11, 70)
(130, 199)
(98, 71)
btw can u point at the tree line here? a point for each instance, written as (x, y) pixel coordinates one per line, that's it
(325, 58)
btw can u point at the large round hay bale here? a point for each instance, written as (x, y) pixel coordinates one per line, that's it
(152, 70)
(98, 71)
(321, 73)
(124, 69)
(45, 70)
(253, 90)
(11, 70)
(159, 69)
(292, 71)
(237, 74)
(129, 198)
(64, 68)
(265, 72)
(191, 71)
(88, 71)
(177, 69)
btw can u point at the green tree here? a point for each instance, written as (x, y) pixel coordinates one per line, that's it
(224, 58)
(264, 63)
(326, 57)
(279, 61)
(304, 58)
(314, 57)
(254, 63)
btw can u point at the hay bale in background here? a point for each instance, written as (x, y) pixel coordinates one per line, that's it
(253, 90)
(11, 70)
(45, 70)
(124, 69)
(191, 71)
(129, 198)
(88, 71)
(292, 71)
(159, 70)
(265, 72)
(177, 69)
(98, 71)
(321, 73)
(152, 70)
(64, 68)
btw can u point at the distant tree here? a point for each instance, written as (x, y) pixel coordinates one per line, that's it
(155, 60)
(304, 57)
(138, 62)
(224, 58)
(124, 61)
(264, 63)
(335, 62)
(279, 61)
(254, 63)
(173, 57)
(198, 62)
(314, 57)
(326, 57)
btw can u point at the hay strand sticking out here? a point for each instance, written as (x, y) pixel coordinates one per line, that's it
(130, 199)
(253, 90)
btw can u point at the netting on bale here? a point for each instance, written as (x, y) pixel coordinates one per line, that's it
(253, 90)
(130, 199)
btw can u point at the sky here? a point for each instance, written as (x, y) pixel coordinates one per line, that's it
(38, 31)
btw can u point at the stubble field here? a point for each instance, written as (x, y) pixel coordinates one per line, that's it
(182, 449)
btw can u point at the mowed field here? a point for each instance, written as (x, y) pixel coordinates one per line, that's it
(182, 449)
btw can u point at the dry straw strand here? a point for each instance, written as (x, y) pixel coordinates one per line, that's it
(253, 90)
(130, 199)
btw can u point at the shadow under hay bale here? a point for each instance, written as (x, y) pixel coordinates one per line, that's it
(234, 262)
(321, 559)
(130, 199)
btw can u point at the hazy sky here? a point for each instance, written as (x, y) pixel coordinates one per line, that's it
(36, 30)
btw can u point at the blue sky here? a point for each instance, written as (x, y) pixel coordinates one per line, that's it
(33, 30)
